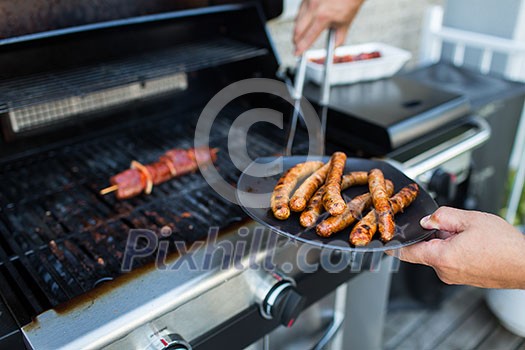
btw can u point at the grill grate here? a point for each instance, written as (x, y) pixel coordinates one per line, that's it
(59, 238)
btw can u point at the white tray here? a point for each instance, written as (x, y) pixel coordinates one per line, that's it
(391, 61)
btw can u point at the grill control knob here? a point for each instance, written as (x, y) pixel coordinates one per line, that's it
(283, 303)
(175, 342)
(444, 185)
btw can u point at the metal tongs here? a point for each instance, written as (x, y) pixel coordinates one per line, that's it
(323, 101)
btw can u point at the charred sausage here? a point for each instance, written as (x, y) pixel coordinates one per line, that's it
(283, 189)
(332, 200)
(307, 189)
(383, 208)
(313, 210)
(355, 178)
(353, 212)
(404, 198)
(364, 230)
(315, 205)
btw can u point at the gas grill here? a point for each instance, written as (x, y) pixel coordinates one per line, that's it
(78, 104)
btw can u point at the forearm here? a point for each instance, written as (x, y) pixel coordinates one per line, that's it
(518, 278)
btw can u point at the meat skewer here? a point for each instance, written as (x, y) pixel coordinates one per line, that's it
(141, 178)
(364, 230)
(353, 212)
(380, 198)
(315, 205)
(283, 189)
(108, 190)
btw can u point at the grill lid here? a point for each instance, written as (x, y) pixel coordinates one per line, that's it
(96, 69)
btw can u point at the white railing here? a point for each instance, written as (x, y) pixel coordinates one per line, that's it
(434, 35)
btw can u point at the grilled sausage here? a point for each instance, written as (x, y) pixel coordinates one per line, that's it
(303, 194)
(353, 212)
(404, 198)
(332, 200)
(355, 178)
(313, 210)
(364, 230)
(315, 205)
(283, 189)
(380, 199)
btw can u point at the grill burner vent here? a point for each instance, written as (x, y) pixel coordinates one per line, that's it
(45, 99)
(41, 114)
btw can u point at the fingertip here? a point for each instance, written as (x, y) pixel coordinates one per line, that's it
(448, 219)
(339, 41)
(296, 36)
(341, 36)
(424, 222)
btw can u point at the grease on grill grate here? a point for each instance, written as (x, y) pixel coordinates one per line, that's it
(59, 238)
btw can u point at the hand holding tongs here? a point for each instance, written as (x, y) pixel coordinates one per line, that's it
(324, 98)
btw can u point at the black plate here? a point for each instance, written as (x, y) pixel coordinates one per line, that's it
(408, 230)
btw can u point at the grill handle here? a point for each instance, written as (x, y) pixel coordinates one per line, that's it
(330, 335)
(331, 331)
(433, 158)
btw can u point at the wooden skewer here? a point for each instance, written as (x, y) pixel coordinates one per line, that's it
(108, 190)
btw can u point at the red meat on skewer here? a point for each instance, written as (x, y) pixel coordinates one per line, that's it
(141, 178)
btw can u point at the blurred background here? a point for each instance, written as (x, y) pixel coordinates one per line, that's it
(395, 22)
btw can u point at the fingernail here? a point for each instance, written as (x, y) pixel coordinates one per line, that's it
(423, 222)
